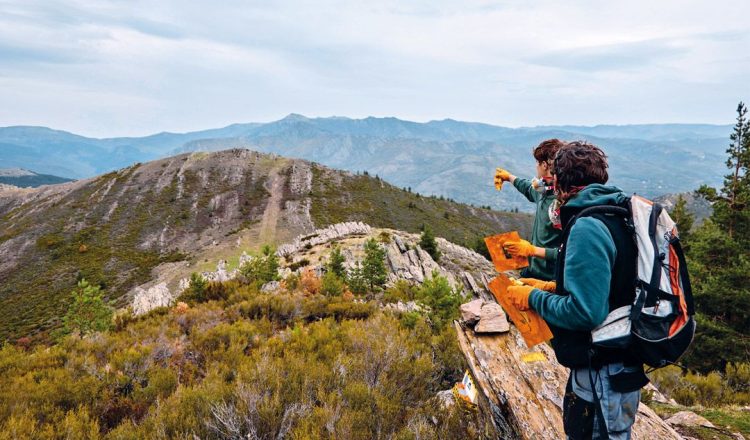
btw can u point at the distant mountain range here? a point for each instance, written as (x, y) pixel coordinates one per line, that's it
(450, 158)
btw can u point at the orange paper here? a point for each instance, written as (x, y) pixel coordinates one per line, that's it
(532, 327)
(502, 260)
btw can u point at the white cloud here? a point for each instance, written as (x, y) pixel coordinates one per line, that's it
(112, 67)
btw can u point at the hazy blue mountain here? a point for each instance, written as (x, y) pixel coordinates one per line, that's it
(451, 158)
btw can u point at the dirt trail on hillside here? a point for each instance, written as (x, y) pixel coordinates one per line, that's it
(268, 225)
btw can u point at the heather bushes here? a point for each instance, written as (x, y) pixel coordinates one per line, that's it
(294, 364)
(712, 389)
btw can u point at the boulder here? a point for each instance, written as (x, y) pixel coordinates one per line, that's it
(471, 311)
(492, 319)
(689, 418)
(146, 300)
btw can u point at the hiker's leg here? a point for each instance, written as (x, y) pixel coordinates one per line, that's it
(578, 414)
(619, 408)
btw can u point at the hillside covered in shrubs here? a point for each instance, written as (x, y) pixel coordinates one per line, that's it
(231, 362)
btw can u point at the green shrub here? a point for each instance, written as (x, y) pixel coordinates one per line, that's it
(262, 268)
(356, 280)
(336, 263)
(428, 244)
(304, 262)
(738, 376)
(401, 290)
(332, 285)
(281, 309)
(442, 299)
(88, 313)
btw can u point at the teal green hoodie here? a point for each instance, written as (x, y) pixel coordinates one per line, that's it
(543, 234)
(589, 258)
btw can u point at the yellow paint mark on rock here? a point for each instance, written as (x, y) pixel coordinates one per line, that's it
(533, 357)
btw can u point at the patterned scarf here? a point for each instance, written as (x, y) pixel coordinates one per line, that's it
(554, 208)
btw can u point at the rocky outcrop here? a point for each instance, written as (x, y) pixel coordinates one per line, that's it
(404, 307)
(522, 389)
(413, 265)
(325, 235)
(146, 300)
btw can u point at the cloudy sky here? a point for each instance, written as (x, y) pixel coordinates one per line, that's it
(125, 67)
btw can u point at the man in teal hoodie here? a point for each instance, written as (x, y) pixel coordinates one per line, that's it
(595, 273)
(542, 250)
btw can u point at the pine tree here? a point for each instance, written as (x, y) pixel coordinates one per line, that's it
(683, 218)
(719, 262)
(373, 265)
(336, 263)
(89, 312)
(428, 243)
(355, 279)
(731, 202)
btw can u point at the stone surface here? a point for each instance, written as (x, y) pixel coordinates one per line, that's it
(325, 235)
(471, 311)
(403, 307)
(657, 396)
(270, 286)
(492, 319)
(146, 300)
(524, 399)
(689, 418)
(446, 399)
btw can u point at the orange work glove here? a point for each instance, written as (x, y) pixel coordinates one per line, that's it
(501, 176)
(547, 286)
(520, 248)
(519, 296)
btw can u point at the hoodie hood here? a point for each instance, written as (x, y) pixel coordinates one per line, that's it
(597, 194)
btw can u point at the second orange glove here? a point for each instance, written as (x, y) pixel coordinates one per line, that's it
(547, 286)
(519, 296)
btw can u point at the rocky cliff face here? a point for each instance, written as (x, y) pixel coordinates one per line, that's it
(405, 261)
(159, 221)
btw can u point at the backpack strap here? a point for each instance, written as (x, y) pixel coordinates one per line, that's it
(656, 271)
(587, 212)
(687, 289)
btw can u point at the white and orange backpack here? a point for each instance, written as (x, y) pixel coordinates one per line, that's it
(659, 326)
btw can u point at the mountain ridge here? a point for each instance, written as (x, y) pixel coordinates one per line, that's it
(123, 228)
(643, 158)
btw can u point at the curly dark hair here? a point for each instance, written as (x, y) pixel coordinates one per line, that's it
(579, 163)
(546, 150)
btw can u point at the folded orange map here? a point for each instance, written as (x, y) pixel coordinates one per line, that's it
(532, 327)
(502, 260)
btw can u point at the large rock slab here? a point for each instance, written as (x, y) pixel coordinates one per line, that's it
(523, 395)
(492, 319)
